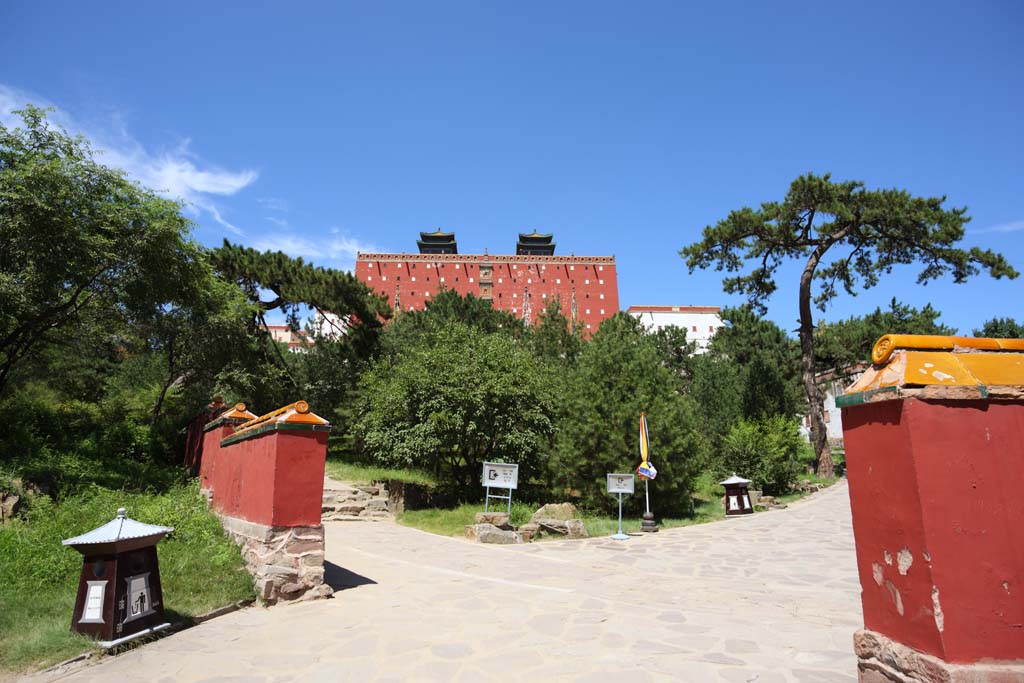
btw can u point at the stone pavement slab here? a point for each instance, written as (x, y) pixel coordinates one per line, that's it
(769, 597)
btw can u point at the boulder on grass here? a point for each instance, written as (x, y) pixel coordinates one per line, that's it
(488, 533)
(556, 511)
(576, 528)
(529, 531)
(498, 519)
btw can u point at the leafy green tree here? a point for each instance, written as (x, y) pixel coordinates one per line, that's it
(868, 231)
(80, 242)
(677, 353)
(850, 341)
(266, 373)
(453, 400)
(747, 334)
(765, 391)
(717, 388)
(1001, 328)
(765, 451)
(410, 328)
(619, 374)
(552, 339)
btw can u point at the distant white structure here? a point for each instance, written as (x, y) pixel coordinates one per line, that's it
(700, 322)
(297, 341)
(833, 383)
(327, 325)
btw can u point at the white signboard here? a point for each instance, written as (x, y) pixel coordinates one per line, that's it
(500, 475)
(620, 483)
(93, 612)
(140, 602)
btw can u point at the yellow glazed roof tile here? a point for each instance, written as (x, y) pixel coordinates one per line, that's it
(908, 361)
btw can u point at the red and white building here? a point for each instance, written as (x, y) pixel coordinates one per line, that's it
(700, 322)
(297, 341)
(523, 283)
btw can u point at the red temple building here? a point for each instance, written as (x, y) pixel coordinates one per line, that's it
(522, 284)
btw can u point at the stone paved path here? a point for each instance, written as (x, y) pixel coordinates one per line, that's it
(767, 598)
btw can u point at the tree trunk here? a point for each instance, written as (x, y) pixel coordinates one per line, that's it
(819, 436)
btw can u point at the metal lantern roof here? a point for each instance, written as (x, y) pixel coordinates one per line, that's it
(121, 528)
(734, 480)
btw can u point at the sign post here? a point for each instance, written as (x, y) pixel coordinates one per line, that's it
(620, 483)
(500, 475)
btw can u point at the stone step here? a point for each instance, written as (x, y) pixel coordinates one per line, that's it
(356, 518)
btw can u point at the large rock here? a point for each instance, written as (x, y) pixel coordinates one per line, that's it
(8, 506)
(528, 531)
(576, 528)
(560, 519)
(498, 519)
(488, 533)
(557, 511)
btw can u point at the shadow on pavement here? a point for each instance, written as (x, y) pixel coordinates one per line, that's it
(340, 578)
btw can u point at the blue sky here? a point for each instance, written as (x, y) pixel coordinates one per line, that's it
(624, 128)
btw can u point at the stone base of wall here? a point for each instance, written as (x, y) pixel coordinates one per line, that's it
(355, 503)
(287, 563)
(883, 660)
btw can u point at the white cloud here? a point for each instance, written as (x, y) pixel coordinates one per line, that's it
(1012, 226)
(279, 222)
(178, 173)
(339, 251)
(274, 203)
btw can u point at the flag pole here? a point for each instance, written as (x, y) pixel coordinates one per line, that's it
(647, 472)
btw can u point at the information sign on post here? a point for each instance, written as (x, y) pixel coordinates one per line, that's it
(619, 484)
(500, 475)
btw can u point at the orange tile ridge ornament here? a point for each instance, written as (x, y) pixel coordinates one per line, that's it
(887, 344)
(238, 411)
(940, 367)
(293, 413)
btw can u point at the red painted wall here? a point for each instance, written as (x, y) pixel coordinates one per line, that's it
(944, 482)
(211, 452)
(546, 278)
(276, 478)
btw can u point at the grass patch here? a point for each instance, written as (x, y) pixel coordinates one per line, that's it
(340, 470)
(452, 522)
(200, 568)
(707, 507)
(814, 479)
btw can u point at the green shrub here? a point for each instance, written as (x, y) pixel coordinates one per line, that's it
(764, 451)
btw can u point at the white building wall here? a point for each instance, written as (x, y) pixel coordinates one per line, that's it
(700, 325)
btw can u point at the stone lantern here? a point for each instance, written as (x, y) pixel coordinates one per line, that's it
(737, 499)
(119, 595)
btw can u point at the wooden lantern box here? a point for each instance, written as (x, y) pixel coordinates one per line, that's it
(119, 594)
(737, 497)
